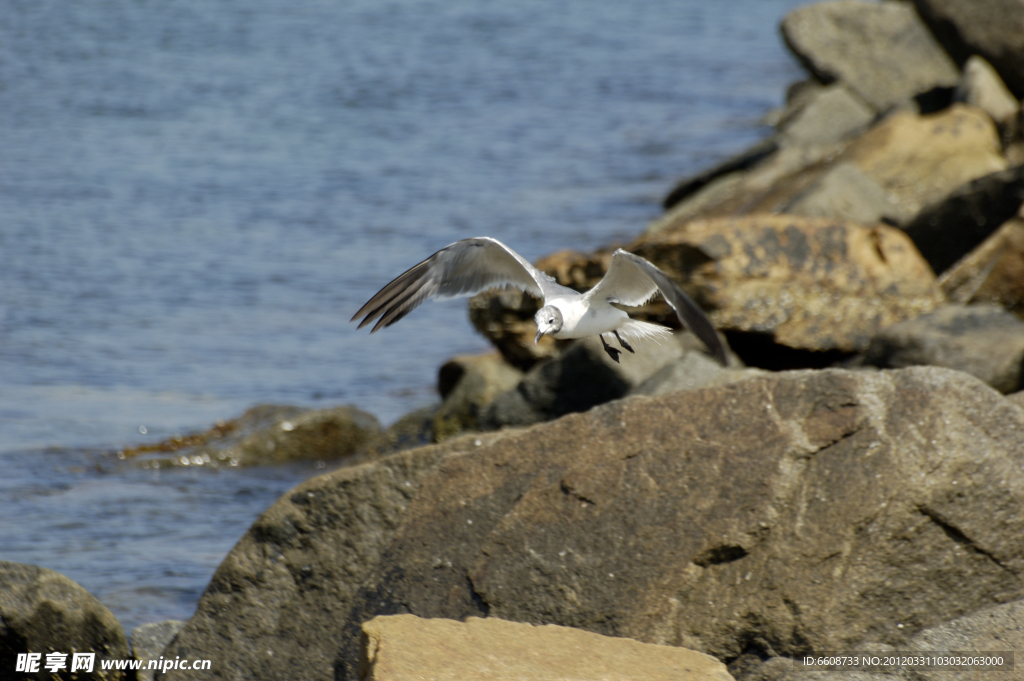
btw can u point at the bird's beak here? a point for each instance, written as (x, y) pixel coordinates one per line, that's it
(537, 339)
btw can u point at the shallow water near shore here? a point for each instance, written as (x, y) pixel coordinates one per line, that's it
(197, 197)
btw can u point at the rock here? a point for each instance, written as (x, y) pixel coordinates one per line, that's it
(267, 434)
(881, 50)
(983, 340)
(691, 371)
(405, 647)
(580, 378)
(999, 628)
(831, 114)
(468, 384)
(993, 272)
(277, 604)
(921, 160)
(149, 641)
(809, 283)
(993, 29)
(948, 229)
(796, 512)
(742, 161)
(42, 611)
(1016, 398)
(982, 87)
(846, 193)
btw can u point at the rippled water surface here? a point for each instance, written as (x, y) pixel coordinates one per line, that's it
(196, 196)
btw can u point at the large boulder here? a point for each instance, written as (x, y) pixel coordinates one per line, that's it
(881, 50)
(921, 160)
(809, 283)
(807, 511)
(993, 29)
(406, 647)
(795, 512)
(277, 605)
(42, 611)
(984, 340)
(903, 163)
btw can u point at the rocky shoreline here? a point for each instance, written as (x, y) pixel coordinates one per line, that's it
(852, 481)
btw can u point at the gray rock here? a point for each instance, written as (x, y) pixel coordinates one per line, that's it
(742, 161)
(993, 29)
(982, 87)
(983, 340)
(42, 611)
(830, 115)
(583, 376)
(947, 230)
(999, 628)
(468, 384)
(691, 371)
(845, 192)
(881, 50)
(149, 641)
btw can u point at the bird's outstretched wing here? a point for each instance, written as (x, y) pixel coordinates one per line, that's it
(632, 281)
(464, 268)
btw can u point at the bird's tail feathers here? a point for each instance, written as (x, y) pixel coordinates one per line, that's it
(635, 330)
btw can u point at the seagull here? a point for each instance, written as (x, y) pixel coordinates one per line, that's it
(470, 266)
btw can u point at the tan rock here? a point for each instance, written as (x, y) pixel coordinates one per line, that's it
(811, 283)
(407, 648)
(922, 159)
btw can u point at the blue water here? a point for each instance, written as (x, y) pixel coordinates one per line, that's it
(195, 197)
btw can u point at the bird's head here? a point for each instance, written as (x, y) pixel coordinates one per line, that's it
(549, 321)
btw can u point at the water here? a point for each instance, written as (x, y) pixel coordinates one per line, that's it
(196, 196)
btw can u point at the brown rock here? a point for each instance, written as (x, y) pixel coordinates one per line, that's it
(922, 159)
(277, 605)
(882, 50)
(268, 434)
(405, 647)
(798, 512)
(993, 272)
(42, 611)
(810, 283)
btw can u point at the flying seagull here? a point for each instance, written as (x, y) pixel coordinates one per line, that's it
(470, 266)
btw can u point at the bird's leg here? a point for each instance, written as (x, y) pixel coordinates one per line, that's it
(622, 342)
(612, 352)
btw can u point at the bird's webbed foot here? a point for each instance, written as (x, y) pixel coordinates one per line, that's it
(612, 352)
(623, 343)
